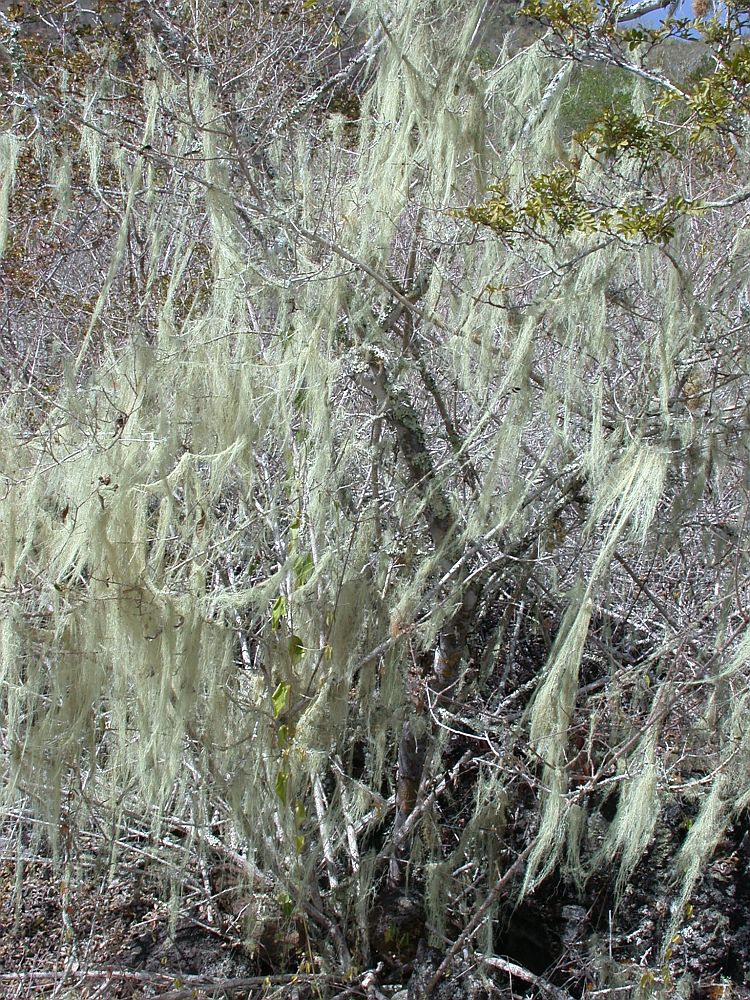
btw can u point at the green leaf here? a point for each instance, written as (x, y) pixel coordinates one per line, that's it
(282, 786)
(303, 568)
(277, 612)
(280, 698)
(296, 649)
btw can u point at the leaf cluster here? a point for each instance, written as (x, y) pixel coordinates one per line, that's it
(555, 203)
(619, 131)
(565, 17)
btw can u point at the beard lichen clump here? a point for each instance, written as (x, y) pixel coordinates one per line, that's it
(285, 394)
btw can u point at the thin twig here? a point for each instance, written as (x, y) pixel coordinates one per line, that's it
(422, 806)
(524, 974)
(321, 809)
(478, 919)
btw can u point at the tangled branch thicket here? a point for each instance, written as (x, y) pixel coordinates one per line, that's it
(324, 505)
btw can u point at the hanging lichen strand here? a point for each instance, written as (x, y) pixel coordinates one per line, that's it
(319, 432)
